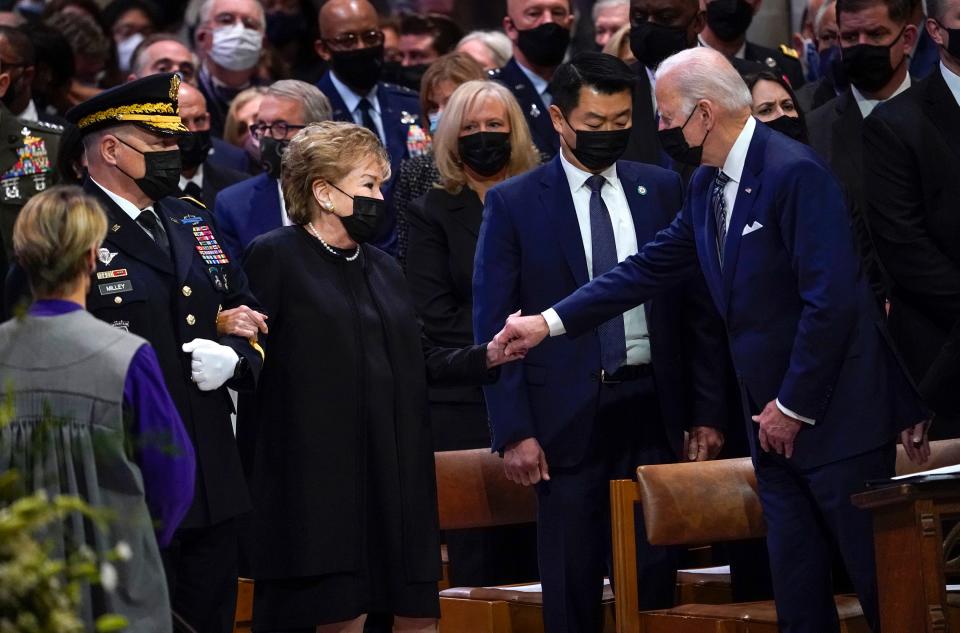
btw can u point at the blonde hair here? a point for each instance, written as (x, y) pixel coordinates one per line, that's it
(53, 234)
(325, 151)
(523, 154)
(231, 127)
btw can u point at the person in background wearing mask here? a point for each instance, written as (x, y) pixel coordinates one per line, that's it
(911, 188)
(491, 49)
(876, 37)
(540, 33)
(165, 53)
(229, 39)
(805, 42)
(345, 500)
(726, 31)
(775, 104)
(423, 39)
(419, 173)
(609, 16)
(162, 274)
(240, 118)
(201, 178)
(256, 206)
(764, 221)
(18, 58)
(352, 45)
(814, 94)
(128, 22)
(580, 412)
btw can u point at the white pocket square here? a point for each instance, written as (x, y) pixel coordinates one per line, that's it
(750, 228)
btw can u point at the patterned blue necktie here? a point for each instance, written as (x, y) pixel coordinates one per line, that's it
(613, 340)
(719, 205)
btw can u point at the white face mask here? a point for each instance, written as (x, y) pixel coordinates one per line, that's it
(125, 51)
(236, 47)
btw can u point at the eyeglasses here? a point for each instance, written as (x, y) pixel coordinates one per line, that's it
(229, 19)
(277, 131)
(349, 41)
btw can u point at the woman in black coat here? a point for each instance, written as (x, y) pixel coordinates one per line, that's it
(342, 473)
(482, 140)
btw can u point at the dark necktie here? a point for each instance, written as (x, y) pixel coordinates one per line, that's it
(193, 190)
(613, 340)
(719, 205)
(365, 117)
(148, 220)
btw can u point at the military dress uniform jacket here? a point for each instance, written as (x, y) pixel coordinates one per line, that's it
(783, 58)
(169, 302)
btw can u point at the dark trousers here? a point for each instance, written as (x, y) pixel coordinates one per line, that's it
(808, 514)
(201, 568)
(573, 515)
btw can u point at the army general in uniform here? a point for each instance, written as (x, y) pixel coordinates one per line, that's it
(163, 275)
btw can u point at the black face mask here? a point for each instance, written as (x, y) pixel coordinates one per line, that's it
(544, 45)
(953, 41)
(194, 148)
(283, 28)
(162, 175)
(406, 76)
(485, 152)
(729, 19)
(868, 66)
(360, 69)
(675, 145)
(368, 216)
(789, 126)
(271, 155)
(652, 43)
(597, 150)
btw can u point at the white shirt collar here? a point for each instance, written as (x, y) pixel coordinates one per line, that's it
(867, 105)
(953, 81)
(125, 205)
(30, 112)
(740, 54)
(578, 177)
(350, 98)
(737, 158)
(197, 178)
(539, 83)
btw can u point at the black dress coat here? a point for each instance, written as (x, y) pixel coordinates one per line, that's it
(911, 165)
(305, 421)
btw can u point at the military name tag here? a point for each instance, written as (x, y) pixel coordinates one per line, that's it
(112, 274)
(115, 287)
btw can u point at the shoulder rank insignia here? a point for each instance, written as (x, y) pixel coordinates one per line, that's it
(194, 201)
(47, 126)
(789, 52)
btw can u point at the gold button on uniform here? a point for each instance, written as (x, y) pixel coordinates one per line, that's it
(187, 291)
(191, 319)
(118, 299)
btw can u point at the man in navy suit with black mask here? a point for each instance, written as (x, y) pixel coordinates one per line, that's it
(764, 222)
(578, 413)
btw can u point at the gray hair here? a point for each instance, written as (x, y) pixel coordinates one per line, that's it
(497, 42)
(702, 73)
(207, 8)
(316, 106)
(937, 9)
(818, 18)
(608, 4)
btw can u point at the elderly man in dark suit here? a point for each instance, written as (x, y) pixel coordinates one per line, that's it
(764, 222)
(580, 412)
(836, 128)
(911, 160)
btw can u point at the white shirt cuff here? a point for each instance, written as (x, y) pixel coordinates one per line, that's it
(553, 322)
(790, 413)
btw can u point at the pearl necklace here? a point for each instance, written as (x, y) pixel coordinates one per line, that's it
(349, 258)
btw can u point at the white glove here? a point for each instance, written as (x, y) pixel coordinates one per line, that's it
(213, 364)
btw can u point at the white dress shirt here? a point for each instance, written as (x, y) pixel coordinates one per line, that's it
(127, 207)
(539, 84)
(196, 179)
(352, 101)
(867, 105)
(625, 237)
(953, 82)
(30, 113)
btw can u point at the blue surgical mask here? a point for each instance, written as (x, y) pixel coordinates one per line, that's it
(434, 118)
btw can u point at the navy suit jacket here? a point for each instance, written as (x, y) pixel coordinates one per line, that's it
(225, 155)
(534, 110)
(245, 210)
(399, 111)
(802, 323)
(529, 255)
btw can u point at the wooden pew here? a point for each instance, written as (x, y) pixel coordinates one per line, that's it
(473, 492)
(706, 503)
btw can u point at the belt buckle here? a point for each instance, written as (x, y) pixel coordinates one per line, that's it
(606, 378)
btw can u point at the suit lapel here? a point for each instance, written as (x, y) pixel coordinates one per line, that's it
(394, 131)
(747, 192)
(126, 235)
(467, 210)
(643, 224)
(846, 153)
(944, 111)
(531, 104)
(558, 204)
(340, 112)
